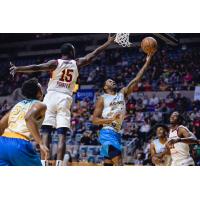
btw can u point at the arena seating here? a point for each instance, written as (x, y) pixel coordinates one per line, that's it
(173, 69)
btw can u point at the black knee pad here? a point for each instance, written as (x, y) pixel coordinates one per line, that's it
(62, 130)
(46, 129)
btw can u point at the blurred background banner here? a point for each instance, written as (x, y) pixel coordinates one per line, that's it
(85, 94)
(197, 93)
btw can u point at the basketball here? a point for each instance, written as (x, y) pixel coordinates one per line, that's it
(149, 45)
(93, 108)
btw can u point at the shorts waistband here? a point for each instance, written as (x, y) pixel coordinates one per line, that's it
(110, 128)
(15, 135)
(60, 92)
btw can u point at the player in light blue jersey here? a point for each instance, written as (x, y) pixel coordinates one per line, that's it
(160, 154)
(110, 112)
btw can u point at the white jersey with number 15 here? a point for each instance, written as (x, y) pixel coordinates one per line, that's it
(63, 78)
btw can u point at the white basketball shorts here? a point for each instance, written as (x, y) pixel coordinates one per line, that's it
(58, 112)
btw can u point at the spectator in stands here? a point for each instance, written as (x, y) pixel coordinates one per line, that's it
(139, 159)
(154, 100)
(86, 139)
(144, 130)
(157, 116)
(94, 140)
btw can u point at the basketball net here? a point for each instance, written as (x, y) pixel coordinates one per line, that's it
(123, 39)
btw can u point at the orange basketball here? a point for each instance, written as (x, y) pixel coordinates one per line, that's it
(149, 45)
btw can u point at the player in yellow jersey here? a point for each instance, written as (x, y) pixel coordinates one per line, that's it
(19, 126)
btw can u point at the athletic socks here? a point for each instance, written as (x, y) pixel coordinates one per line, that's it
(44, 162)
(66, 160)
(59, 162)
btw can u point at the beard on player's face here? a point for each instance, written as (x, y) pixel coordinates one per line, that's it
(111, 84)
(112, 88)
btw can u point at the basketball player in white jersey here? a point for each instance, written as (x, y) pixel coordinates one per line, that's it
(110, 112)
(19, 126)
(64, 74)
(160, 155)
(179, 140)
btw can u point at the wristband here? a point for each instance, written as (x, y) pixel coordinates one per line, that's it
(180, 139)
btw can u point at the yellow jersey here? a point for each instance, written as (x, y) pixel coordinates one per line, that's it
(16, 121)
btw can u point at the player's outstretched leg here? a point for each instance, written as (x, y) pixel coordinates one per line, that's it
(62, 132)
(46, 138)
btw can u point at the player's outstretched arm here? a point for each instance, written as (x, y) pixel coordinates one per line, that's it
(48, 66)
(36, 112)
(129, 88)
(4, 123)
(184, 136)
(97, 115)
(89, 57)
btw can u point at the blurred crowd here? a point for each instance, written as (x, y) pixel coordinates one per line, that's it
(142, 114)
(172, 70)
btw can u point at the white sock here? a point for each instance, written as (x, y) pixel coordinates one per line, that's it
(44, 162)
(66, 159)
(59, 162)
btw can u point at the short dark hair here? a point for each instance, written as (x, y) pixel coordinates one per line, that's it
(30, 88)
(162, 126)
(156, 126)
(67, 49)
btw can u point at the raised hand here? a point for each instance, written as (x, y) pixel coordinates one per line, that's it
(111, 38)
(13, 69)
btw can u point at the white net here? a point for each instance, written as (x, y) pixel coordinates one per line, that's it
(123, 39)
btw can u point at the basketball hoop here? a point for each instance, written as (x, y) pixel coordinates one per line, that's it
(123, 39)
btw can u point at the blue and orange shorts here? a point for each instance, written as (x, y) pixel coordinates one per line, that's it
(17, 150)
